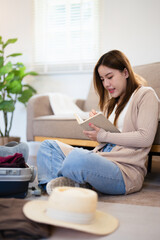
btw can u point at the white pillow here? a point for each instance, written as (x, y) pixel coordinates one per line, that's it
(62, 104)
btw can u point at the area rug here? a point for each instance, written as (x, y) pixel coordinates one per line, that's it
(148, 196)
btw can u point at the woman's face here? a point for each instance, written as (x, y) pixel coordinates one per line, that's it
(113, 80)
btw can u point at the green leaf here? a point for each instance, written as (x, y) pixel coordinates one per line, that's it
(25, 96)
(9, 77)
(1, 42)
(9, 41)
(30, 73)
(14, 87)
(21, 71)
(6, 68)
(1, 99)
(1, 61)
(1, 86)
(9, 96)
(19, 64)
(16, 72)
(14, 55)
(7, 106)
(30, 87)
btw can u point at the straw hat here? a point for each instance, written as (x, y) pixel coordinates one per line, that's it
(71, 207)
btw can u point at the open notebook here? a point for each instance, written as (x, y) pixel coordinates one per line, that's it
(98, 120)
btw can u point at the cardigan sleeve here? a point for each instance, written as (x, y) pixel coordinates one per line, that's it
(143, 133)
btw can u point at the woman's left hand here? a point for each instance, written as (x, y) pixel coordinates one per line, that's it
(92, 134)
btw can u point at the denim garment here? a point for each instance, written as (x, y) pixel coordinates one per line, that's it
(108, 147)
(80, 165)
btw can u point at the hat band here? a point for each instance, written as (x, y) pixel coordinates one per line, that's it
(73, 217)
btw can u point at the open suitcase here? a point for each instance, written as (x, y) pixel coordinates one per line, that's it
(14, 181)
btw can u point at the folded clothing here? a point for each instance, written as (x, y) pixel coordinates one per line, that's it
(14, 147)
(13, 161)
(14, 224)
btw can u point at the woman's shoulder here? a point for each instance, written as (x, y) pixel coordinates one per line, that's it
(143, 90)
(146, 96)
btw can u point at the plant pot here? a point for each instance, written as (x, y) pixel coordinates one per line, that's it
(5, 140)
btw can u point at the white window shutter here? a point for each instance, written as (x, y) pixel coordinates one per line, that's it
(66, 35)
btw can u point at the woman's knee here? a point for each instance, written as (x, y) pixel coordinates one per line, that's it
(47, 144)
(76, 158)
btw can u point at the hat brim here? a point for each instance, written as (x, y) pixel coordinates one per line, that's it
(102, 224)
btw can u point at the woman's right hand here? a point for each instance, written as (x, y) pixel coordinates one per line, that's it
(92, 113)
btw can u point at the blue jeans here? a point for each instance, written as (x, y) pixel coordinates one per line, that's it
(80, 165)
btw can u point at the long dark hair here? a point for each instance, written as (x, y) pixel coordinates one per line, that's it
(116, 60)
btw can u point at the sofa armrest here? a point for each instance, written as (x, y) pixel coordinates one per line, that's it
(38, 105)
(80, 103)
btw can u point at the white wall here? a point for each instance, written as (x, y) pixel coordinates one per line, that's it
(16, 17)
(130, 26)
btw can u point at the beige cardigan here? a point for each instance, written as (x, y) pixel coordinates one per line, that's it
(134, 142)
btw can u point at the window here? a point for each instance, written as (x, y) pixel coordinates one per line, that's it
(66, 35)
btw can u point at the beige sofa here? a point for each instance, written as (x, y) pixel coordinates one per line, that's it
(43, 124)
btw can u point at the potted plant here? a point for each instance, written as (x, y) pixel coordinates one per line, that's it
(12, 88)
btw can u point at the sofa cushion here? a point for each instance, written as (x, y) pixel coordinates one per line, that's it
(55, 126)
(92, 100)
(150, 72)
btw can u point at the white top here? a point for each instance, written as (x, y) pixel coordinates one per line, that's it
(121, 117)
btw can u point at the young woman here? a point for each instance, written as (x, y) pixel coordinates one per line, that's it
(117, 164)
